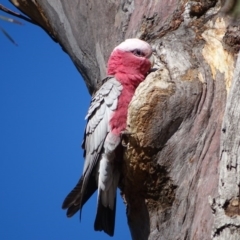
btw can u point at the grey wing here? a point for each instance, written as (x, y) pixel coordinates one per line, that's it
(103, 105)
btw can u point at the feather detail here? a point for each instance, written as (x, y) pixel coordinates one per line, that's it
(105, 173)
(102, 107)
(105, 218)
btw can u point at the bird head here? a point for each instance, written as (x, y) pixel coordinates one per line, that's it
(131, 57)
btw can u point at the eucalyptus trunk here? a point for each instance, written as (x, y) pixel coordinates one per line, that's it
(180, 170)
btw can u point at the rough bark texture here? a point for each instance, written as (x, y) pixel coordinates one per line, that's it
(181, 169)
(226, 206)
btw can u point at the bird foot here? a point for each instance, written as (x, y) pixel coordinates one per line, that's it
(124, 137)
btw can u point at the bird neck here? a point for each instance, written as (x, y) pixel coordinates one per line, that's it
(129, 81)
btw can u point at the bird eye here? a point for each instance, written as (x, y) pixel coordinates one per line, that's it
(138, 52)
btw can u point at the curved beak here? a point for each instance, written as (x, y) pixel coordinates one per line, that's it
(151, 59)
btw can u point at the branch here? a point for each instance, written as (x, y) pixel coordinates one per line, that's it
(29, 19)
(18, 15)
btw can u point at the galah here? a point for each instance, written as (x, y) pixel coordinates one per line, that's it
(128, 65)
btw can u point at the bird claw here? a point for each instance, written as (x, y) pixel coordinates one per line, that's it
(153, 70)
(124, 137)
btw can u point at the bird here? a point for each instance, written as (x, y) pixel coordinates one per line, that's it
(128, 65)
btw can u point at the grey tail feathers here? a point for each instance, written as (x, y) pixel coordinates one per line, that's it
(76, 198)
(105, 218)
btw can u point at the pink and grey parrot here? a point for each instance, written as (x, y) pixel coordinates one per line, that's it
(128, 65)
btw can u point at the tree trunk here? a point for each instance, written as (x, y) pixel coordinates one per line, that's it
(181, 177)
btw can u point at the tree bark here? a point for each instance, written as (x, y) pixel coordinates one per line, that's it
(180, 170)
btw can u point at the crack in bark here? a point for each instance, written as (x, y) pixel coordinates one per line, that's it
(232, 227)
(200, 7)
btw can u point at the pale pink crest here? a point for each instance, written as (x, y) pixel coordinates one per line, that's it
(134, 43)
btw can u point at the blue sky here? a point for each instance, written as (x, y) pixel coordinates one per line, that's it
(43, 102)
